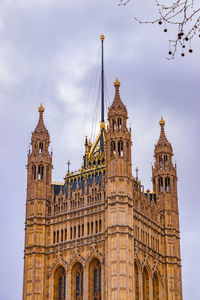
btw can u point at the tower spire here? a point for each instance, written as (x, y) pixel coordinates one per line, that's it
(102, 80)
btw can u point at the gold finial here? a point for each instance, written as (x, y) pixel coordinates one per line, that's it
(102, 37)
(117, 83)
(41, 108)
(102, 125)
(162, 122)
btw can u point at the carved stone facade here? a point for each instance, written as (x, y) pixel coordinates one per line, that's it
(99, 235)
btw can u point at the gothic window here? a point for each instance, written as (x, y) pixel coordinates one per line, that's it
(145, 278)
(113, 149)
(70, 233)
(160, 162)
(165, 161)
(82, 229)
(57, 236)
(40, 148)
(96, 226)
(60, 284)
(65, 234)
(74, 232)
(167, 184)
(88, 228)
(54, 237)
(136, 281)
(119, 123)
(40, 172)
(160, 183)
(114, 125)
(155, 287)
(79, 231)
(61, 235)
(120, 148)
(35, 148)
(77, 282)
(99, 225)
(33, 172)
(95, 280)
(91, 227)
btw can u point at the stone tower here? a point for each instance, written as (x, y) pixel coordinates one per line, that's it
(119, 214)
(39, 169)
(164, 179)
(98, 235)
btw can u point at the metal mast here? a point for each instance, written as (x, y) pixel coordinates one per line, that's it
(102, 81)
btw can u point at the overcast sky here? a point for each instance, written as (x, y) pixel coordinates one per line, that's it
(49, 52)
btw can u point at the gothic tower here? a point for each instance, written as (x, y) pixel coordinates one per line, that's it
(164, 179)
(119, 213)
(39, 169)
(98, 235)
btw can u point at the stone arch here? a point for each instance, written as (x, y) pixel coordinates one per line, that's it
(77, 281)
(95, 278)
(59, 283)
(156, 287)
(136, 279)
(137, 272)
(145, 281)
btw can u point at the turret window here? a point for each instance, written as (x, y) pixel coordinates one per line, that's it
(160, 162)
(165, 161)
(160, 182)
(167, 184)
(40, 172)
(119, 123)
(113, 149)
(40, 148)
(120, 149)
(33, 172)
(114, 124)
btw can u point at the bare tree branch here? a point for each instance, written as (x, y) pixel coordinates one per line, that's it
(185, 15)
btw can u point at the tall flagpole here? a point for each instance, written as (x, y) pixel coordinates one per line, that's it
(102, 81)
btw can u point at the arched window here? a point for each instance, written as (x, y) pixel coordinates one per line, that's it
(136, 281)
(61, 235)
(91, 227)
(113, 149)
(77, 282)
(33, 172)
(114, 124)
(40, 148)
(165, 161)
(167, 184)
(88, 228)
(79, 231)
(60, 284)
(40, 172)
(119, 123)
(155, 287)
(82, 229)
(145, 278)
(120, 148)
(160, 182)
(100, 225)
(96, 226)
(160, 162)
(57, 236)
(95, 283)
